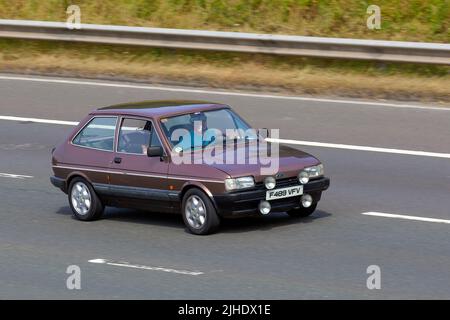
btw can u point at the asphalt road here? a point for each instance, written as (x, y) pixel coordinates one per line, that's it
(325, 256)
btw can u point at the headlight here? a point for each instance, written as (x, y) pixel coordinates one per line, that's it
(239, 183)
(310, 172)
(315, 171)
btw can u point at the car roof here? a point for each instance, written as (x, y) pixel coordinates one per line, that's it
(159, 108)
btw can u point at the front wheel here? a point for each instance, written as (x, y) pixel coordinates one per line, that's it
(83, 200)
(302, 212)
(199, 214)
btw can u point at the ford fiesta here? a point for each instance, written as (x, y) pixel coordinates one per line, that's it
(144, 155)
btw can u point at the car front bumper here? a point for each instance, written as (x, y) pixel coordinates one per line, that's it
(240, 203)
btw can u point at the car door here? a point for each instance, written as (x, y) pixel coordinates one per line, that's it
(140, 180)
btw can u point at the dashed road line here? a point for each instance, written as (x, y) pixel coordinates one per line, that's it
(406, 217)
(14, 176)
(142, 267)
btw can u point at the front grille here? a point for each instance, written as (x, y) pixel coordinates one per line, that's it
(281, 183)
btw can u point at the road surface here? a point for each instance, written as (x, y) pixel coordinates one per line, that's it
(151, 255)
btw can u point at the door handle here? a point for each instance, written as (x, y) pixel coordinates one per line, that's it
(117, 160)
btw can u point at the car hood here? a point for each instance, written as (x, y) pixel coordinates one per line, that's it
(289, 163)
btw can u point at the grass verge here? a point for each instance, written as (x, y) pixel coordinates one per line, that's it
(291, 75)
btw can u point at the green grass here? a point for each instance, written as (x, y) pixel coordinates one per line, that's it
(409, 20)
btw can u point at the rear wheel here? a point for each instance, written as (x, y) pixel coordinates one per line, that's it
(83, 200)
(199, 214)
(302, 212)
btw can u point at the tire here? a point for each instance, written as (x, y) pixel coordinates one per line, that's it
(302, 212)
(78, 193)
(200, 219)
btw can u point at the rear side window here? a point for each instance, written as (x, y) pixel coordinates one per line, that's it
(98, 134)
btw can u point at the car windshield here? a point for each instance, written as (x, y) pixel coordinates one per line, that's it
(200, 129)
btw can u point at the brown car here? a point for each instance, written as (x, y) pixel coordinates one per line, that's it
(152, 155)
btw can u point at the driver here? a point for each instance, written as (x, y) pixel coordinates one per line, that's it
(198, 125)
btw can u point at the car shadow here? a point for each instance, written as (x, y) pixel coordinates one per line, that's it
(236, 225)
(144, 217)
(272, 221)
(136, 216)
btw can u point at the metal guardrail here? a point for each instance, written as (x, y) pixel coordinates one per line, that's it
(375, 50)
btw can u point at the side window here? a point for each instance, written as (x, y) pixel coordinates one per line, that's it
(134, 136)
(98, 134)
(155, 140)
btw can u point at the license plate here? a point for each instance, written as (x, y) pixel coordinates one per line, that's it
(284, 193)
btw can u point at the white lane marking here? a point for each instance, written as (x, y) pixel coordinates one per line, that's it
(36, 120)
(287, 141)
(362, 148)
(14, 176)
(225, 93)
(137, 266)
(400, 216)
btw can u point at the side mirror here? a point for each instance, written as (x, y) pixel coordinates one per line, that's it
(155, 151)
